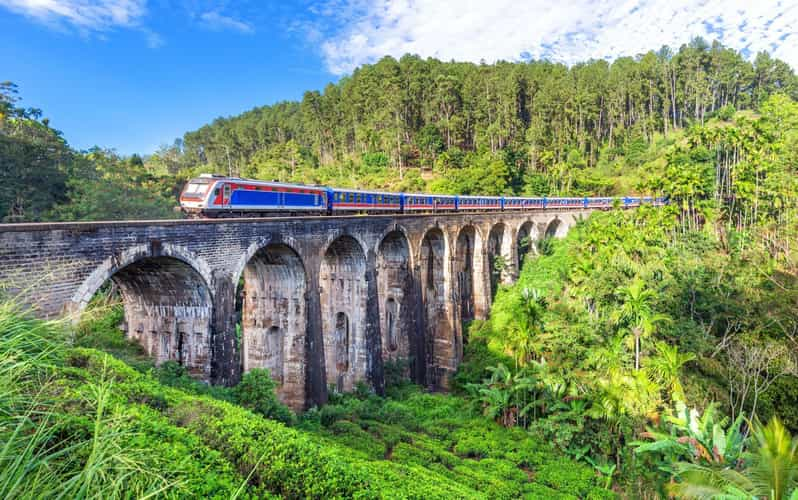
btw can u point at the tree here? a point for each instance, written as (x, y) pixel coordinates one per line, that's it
(526, 333)
(752, 367)
(667, 365)
(637, 313)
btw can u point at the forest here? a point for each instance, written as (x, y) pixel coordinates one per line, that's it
(648, 354)
(407, 125)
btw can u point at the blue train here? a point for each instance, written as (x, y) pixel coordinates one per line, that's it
(219, 196)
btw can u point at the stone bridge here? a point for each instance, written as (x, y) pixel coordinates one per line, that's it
(319, 301)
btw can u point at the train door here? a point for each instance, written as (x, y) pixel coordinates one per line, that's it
(226, 190)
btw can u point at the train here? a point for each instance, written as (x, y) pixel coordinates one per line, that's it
(213, 195)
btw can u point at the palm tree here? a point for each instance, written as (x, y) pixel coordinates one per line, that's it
(774, 464)
(667, 366)
(637, 312)
(526, 331)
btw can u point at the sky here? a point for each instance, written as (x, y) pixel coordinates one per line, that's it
(136, 74)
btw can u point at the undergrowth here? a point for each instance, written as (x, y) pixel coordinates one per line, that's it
(78, 422)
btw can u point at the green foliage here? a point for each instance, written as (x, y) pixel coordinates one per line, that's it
(109, 429)
(770, 470)
(465, 452)
(564, 477)
(99, 329)
(489, 127)
(256, 392)
(590, 370)
(104, 186)
(66, 433)
(706, 439)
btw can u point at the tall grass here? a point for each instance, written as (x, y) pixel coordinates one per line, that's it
(46, 452)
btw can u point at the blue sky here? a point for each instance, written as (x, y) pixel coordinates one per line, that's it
(134, 74)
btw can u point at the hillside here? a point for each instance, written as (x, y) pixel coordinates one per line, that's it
(76, 422)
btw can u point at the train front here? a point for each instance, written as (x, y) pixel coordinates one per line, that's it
(193, 199)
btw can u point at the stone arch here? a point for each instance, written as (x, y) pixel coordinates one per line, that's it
(465, 263)
(396, 292)
(525, 241)
(167, 298)
(438, 333)
(274, 319)
(168, 311)
(399, 230)
(555, 229)
(337, 235)
(342, 280)
(259, 244)
(114, 263)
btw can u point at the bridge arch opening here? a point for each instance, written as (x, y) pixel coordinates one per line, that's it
(464, 269)
(342, 279)
(166, 307)
(554, 228)
(498, 256)
(274, 320)
(438, 332)
(525, 242)
(395, 292)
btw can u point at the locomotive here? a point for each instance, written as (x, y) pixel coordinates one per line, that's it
(212, 195)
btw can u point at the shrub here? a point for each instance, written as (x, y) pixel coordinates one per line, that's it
(256, 392)
(395, 373)
(567, 476)
(174, 374)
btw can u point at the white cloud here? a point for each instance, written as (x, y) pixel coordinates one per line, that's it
(566, 31)
(154, 40)
(216, 21)
(86, 15)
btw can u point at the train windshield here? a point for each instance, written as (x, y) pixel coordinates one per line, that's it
(196, 188)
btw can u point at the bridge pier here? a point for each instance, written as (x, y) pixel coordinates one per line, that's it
(318, 301)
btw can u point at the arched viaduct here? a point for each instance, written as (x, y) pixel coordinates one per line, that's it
(319, 301)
